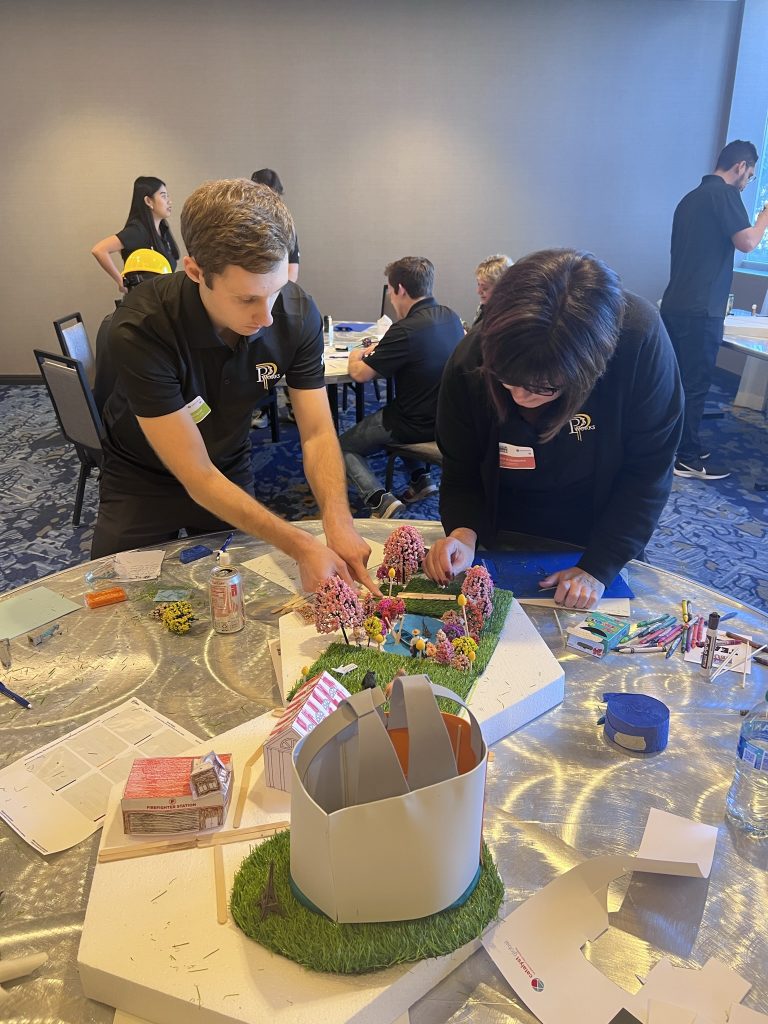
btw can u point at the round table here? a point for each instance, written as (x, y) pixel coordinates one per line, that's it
(557, 791)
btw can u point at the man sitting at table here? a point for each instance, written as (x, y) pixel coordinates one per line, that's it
(195, 350)
(413, 351)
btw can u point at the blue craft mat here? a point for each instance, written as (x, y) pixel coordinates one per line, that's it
(520, 571)
(353, 325)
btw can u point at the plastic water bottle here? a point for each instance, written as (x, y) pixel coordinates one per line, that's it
(747, 800)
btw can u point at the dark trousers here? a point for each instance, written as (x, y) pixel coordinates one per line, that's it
(128, 521)
(696, 340)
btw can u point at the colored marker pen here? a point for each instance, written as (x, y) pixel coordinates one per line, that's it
(708, 654)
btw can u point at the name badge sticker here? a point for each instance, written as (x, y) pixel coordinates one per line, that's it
(513, 456)
(198, 409)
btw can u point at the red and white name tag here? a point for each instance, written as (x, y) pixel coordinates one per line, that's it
(512, 456)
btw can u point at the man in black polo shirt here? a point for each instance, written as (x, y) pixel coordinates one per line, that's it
(413, 351)
(195, 350)
(708, 224)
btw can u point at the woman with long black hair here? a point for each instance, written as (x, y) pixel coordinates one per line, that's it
(146, 228)
(558, 417)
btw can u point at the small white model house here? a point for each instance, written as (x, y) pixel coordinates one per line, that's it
(316, 699)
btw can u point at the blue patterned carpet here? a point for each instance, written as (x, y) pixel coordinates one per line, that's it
(714, 532)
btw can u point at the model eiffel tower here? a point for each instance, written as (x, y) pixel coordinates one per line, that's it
(268, 901)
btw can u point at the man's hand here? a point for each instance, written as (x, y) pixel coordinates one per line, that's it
(449, 556)
(575, 588)
(346, 542)
(318, 563)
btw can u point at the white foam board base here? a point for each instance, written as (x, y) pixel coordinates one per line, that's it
(522, 680)
(152, 947)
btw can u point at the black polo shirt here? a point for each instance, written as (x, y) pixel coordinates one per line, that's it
(414, 352)
(702, 251)
(135, 235)
(546, 489)
(168, 356)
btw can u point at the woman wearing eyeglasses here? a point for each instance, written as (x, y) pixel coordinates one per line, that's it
(558, 417)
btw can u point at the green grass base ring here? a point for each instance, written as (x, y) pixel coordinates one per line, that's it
(320, 944)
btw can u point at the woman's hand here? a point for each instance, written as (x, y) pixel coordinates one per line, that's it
(449, 556)
(575, 588)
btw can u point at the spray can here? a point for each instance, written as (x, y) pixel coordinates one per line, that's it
(225, 589)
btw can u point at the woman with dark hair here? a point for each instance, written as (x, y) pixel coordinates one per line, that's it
(558, 417)
(146, 228)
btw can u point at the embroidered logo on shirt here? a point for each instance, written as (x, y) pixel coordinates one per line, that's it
(265, 372)
(580, 422)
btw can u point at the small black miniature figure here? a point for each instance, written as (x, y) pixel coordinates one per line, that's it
(369, 680)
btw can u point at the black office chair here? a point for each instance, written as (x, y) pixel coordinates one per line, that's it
(75, 343)
(76, 412)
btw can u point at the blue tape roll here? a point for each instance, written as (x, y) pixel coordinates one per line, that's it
(636, 722)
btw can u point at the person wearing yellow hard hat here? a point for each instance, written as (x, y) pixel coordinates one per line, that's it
(146, 228)
(141, 265)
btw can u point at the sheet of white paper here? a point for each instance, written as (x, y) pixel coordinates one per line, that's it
(131, 566)
(738, 653)
(57, 796)
(31, 609)
(666, 1013)
(707, 992)
(538, 947)
(281, 569)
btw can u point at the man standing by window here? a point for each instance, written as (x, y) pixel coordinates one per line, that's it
(709, 223)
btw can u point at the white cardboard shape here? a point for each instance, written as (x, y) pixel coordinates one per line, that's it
(429, 838)
(131, 958)
(539, 945)
(522, 680)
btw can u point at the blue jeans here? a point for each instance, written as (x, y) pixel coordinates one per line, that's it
(696, 340)
(366, 437)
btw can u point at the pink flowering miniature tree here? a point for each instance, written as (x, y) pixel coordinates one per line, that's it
(478, 590)
(389, 610)
(444, 652)
(404, 552)
(337, 606)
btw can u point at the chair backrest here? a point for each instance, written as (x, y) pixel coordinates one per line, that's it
(75, 343)
(72, 400)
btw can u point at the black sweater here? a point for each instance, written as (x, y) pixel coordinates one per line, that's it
(637, 406)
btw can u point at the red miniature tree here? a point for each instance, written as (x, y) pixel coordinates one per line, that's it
(336, 607)
(404, 552)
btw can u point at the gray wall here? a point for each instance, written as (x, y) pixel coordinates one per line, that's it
(451, 129)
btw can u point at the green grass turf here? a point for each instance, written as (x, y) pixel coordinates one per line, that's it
(319, 944)
(385, 665)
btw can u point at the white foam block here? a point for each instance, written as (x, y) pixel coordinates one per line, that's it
(522, 680)
(151, 945)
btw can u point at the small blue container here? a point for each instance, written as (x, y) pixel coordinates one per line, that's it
(636, 722)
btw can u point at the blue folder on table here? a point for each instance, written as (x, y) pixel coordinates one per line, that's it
(520, 571)
(353, 325)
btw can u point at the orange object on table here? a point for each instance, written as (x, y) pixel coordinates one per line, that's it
(101, 598)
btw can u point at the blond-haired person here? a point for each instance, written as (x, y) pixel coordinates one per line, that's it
(195, 351)
(488, 274)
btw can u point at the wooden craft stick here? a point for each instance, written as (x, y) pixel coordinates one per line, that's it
(291, 605)
(221, 889)
(426, 597)
(245, 784)
(243, 835)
